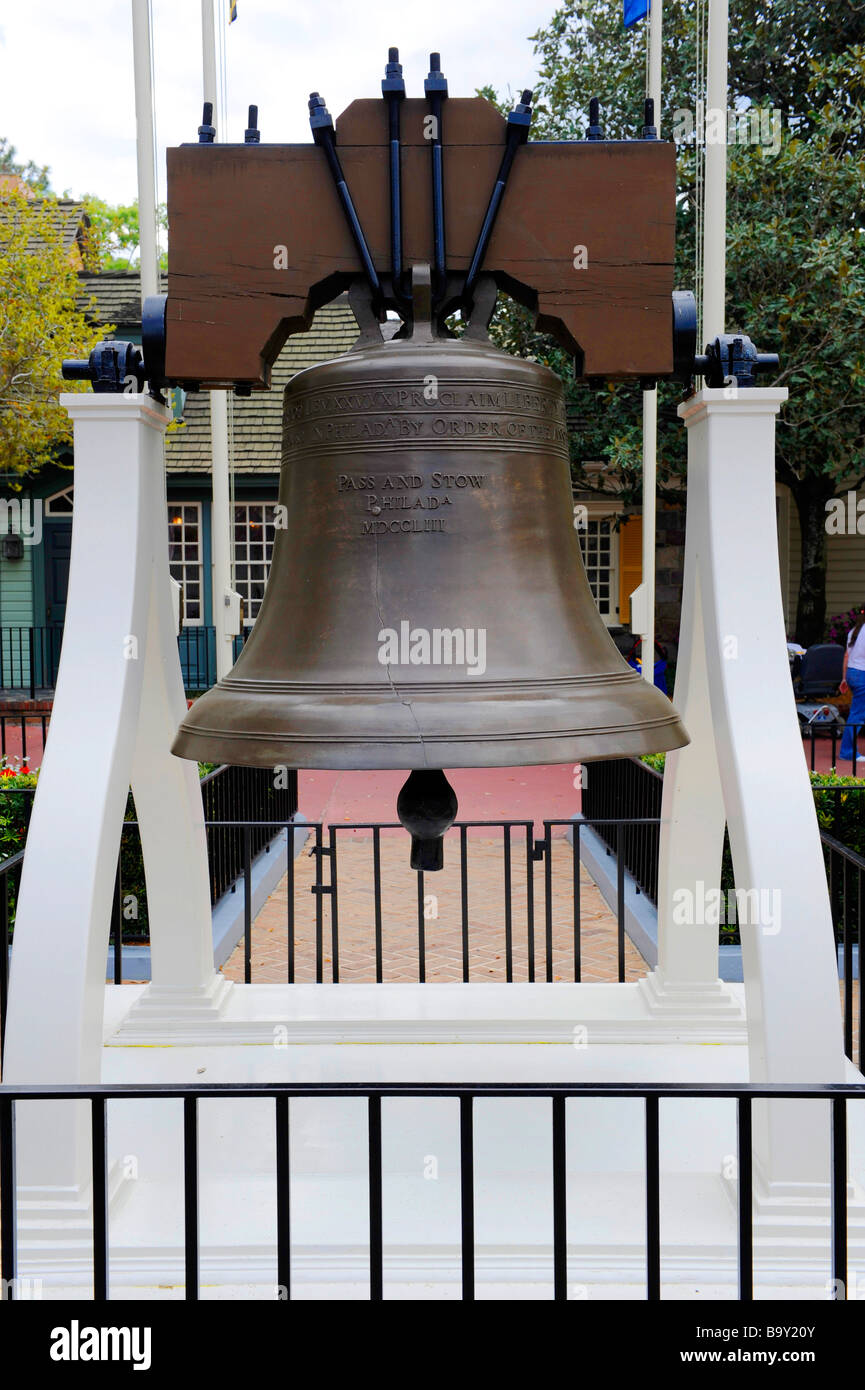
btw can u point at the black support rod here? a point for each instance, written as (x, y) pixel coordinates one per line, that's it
(436, 89)
(393, 91)
(321, 125)
(519, 121)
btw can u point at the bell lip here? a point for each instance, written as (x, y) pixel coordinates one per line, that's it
(365, 755)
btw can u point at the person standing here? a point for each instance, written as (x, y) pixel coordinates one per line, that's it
(853, 679)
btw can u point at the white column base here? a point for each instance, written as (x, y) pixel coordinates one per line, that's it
(790, 1218)
(711, 1002)
(51, 1214)
(172, 1013)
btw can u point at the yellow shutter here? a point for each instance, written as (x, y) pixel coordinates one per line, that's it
(630, 563)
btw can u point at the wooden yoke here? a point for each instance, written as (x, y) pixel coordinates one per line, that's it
(259, 240)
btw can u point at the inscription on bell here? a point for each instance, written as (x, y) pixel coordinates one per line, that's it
(402, 482)
(400, 415)
(407, 526)
(406, 492)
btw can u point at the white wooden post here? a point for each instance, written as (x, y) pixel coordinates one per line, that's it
(118, 642)
(746, 761)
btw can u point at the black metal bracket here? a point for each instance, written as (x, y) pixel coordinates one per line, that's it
(324, 135)
(153, 331)
(113, 368)
(733, 356)
(436, 90)
(518, 124)
(393, 91)
(729, 357)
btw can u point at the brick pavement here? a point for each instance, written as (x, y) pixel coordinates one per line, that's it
(442, 928)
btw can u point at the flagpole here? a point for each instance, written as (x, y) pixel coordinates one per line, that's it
(715, 183)
(148, 256)
(650, 404)
(220, 505)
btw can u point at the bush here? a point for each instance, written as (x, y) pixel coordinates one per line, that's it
(839, 813)
(840, 809)
(14, 810)
(15, 817)
(838, 628)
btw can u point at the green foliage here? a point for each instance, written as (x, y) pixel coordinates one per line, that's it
(35, 177)
(840, 809)
(797, 257)
(14, 809)
(840, 806)
(14, 817)
(654, 761)
(795, 246)
(115, 233)
(41, 323)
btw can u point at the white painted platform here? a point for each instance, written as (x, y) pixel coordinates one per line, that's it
(420, 1161)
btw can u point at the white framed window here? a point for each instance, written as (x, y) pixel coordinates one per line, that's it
(599, 543)
(253, 552)
(185, 558)
(61, 503)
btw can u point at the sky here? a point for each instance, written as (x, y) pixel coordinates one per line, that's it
(66, 84)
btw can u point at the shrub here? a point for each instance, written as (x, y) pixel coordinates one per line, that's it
(15, 817)
(838, 628)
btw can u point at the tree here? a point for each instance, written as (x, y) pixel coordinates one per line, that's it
(114, 232)
(29, 174)
(796, 257)
(41, 322)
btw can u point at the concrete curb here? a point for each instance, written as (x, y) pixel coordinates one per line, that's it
(641, 915)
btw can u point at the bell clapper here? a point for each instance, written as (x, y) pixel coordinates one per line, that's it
(427, 807)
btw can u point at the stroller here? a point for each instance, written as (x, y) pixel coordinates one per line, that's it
(634, 658)
(819, 675)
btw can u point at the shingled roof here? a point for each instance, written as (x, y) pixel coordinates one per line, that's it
(67, 215)
(116, 298)
(256, 434)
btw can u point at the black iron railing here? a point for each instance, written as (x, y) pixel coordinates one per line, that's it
(844, 872)
(264, 798)
(813, 735)
(197, 648)
(621, 788)
(282, 1094)
(519, 942)
(613, 785)
(22, 737)
(30, 657)
(245, 808)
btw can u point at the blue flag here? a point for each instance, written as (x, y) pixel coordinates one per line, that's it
(634, 10)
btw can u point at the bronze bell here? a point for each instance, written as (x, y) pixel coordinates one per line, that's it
(427, 605)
